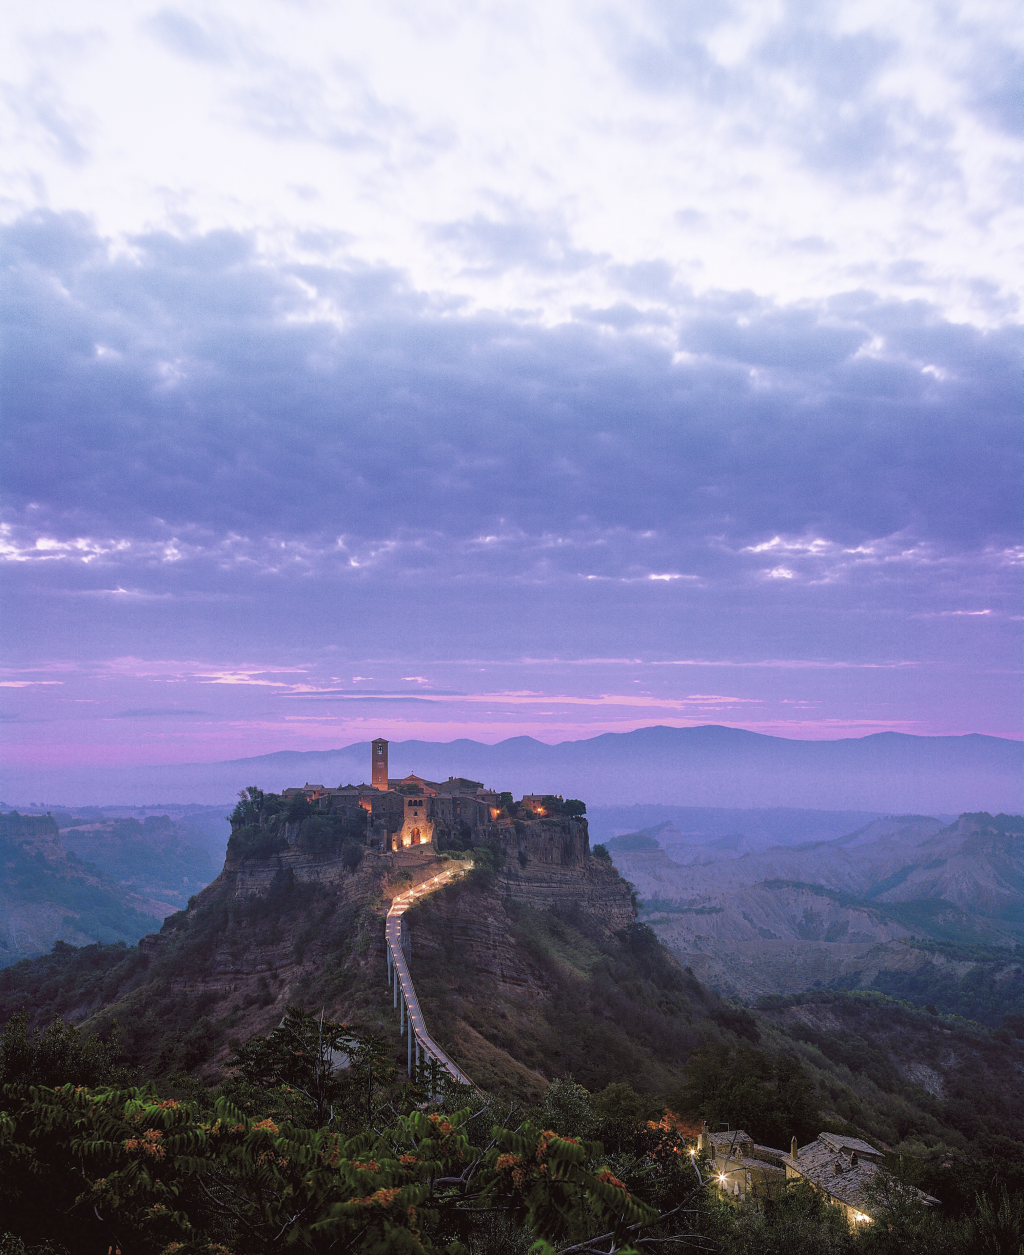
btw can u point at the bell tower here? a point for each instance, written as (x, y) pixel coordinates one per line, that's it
(379, 764)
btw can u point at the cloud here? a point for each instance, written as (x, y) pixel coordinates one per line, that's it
(821, 84)
(185, 37)
(162, 712)
(233, 424)
(517, 237)
(283, 472)
(41, 108)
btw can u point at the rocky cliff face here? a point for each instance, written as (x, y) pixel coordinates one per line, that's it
(256, 876)
(539, 970)
(286, 924)
(547, 864)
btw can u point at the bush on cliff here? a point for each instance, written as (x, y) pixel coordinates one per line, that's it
(329, 836)
(254, 841)
(570, 807)
(256, 807)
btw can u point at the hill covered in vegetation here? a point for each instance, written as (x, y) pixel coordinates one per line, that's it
(48, 894)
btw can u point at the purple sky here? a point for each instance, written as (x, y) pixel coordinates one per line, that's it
(470, 371)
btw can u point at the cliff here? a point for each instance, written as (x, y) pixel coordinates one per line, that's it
(535, 967)
(302, 922)
(532, 967)
(547, 864)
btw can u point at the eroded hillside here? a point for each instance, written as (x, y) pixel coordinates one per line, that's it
(302, 922)
(534, 966)
(49, 894)
(898, 896)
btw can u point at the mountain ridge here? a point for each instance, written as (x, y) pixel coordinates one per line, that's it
(708, 765)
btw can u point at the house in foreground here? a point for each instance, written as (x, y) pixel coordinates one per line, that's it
(843, 1169)
(743, 1169)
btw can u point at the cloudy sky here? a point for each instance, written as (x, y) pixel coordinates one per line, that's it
(473, 369)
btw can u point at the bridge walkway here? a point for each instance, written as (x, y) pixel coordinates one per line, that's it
(420, 1046)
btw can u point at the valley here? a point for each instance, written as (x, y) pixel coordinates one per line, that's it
(100, 874)
(910, 906)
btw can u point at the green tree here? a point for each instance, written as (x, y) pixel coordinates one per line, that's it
(58, 1054)
(323, 1062)
(771, 1098)
(799, 1222)
(249, 808)
(567, 1109)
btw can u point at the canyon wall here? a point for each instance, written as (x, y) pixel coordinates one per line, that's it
(547, 864)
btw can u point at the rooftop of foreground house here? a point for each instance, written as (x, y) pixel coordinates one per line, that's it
(843, 1167)
(737, 1146)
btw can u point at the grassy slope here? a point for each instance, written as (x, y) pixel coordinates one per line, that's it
(83, 902)
(542, 995)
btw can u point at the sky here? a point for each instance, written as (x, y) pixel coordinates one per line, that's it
(471, 369)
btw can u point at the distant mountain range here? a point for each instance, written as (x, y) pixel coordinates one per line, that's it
(704, 766)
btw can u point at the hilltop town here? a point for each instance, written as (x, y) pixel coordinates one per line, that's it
(400, 813)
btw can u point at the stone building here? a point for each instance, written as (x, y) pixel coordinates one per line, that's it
(379, 763)
(844, 1170)
(841, 1168)
(743, 1169)
(407, 812)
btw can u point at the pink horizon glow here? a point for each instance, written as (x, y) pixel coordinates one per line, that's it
(190, 748)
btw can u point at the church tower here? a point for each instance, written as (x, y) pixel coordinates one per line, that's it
(379, 764)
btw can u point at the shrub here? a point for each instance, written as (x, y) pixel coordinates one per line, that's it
(252, 841)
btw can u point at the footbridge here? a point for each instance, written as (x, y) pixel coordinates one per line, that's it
(421, 1049)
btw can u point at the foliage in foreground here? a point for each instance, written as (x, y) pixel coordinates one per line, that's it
(296, 1152)
(316, 1145)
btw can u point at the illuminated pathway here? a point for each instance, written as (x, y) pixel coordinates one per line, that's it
(420, 1045)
